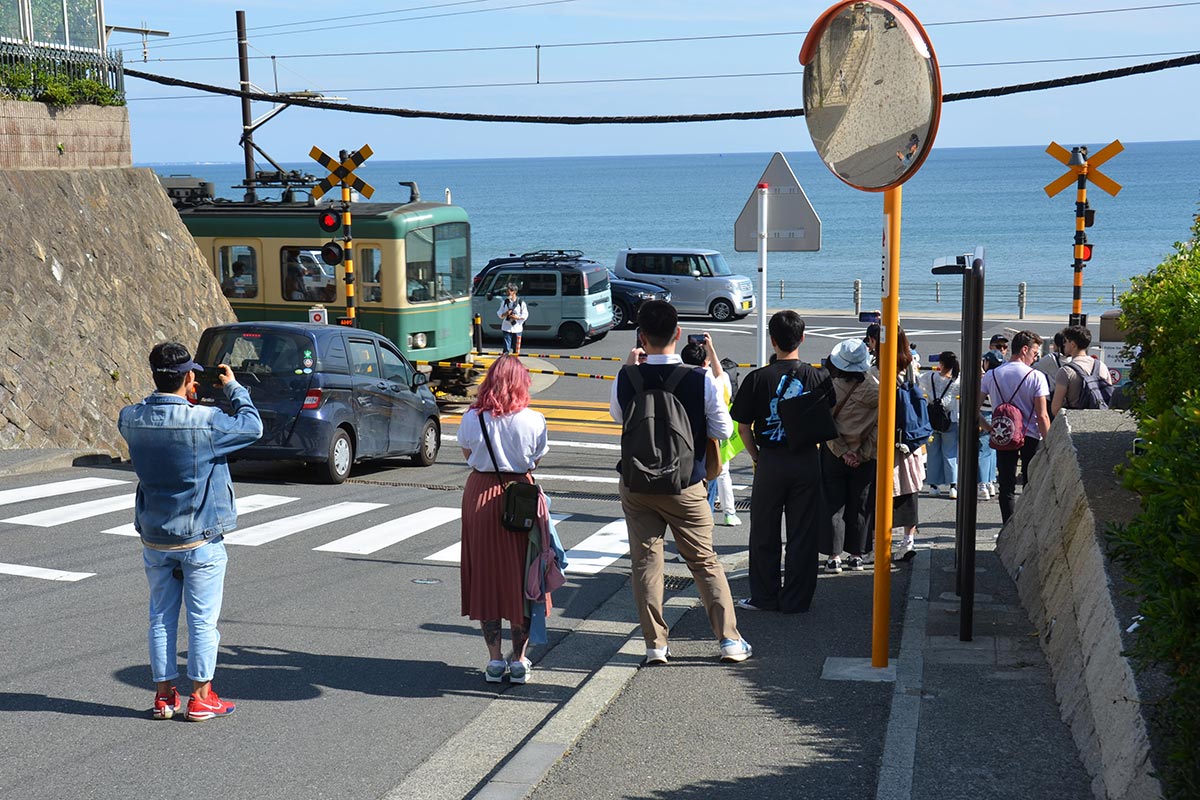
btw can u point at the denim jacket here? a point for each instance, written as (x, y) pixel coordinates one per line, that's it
(178, 450)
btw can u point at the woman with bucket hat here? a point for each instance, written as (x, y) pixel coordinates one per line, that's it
(848, 462)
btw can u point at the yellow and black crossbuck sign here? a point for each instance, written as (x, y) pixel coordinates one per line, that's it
(343, 173)
(1094, 175)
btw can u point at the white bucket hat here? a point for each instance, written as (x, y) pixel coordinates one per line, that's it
(851, 355)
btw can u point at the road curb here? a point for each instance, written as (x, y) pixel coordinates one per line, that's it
(27, 462)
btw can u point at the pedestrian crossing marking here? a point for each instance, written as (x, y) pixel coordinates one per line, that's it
(245, 505)
(377, 537)
(843, 332)
(599, 550)
(453, 553)
(56, 489)
(277, 529)
(43, 573)
(73, 513)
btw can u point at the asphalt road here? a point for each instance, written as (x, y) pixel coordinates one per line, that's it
(347, 657)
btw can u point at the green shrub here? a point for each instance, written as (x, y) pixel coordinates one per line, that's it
(1160, 548)
(38, 81)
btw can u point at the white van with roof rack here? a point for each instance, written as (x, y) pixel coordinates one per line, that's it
(700, 281)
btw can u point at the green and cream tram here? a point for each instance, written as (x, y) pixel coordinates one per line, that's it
(412, 266)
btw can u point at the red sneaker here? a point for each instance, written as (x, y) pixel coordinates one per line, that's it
(199, 710)
(165, 706)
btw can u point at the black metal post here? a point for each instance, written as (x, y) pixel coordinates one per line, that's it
(251, 195)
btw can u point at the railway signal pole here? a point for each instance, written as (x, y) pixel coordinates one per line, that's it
(1081, 170)
(342, 172)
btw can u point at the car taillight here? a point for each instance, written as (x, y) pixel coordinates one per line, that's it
(312, 399)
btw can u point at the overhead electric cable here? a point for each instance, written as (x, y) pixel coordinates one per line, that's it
(1072, 80)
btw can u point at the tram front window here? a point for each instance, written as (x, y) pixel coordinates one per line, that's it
(237, 269)
(438, 262)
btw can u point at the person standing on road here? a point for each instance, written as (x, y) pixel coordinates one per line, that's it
(941, 387)
(848, 462)
(1052, 362)
(987, 456)
(908, 470)
(785, 480)
(512, 312)
(705, 357)
(1017, 382)
(184, 507)
(1068, 386)
(493, 557)
(666, 387)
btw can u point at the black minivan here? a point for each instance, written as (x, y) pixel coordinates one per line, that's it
(328, 395)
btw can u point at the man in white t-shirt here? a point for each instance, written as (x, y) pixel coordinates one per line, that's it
(513, 312)
(1069, 381)
(1017, 382)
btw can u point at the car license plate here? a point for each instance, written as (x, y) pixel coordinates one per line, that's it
(745, 304)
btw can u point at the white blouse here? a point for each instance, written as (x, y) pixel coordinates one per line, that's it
(519, 440)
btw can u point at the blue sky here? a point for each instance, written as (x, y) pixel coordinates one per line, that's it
(202, 128)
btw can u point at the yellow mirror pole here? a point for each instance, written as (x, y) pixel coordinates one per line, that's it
(881, 616)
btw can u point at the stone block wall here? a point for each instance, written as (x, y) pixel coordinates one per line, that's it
(38, 136)
(96, 268)
(1053, 549)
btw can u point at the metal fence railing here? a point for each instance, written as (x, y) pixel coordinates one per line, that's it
(27, 71)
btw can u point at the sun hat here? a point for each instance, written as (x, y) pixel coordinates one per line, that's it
(993, 359)
(851, 355)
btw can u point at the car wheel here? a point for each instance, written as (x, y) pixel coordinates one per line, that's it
(430, 442)
(622, 316)
(721, 310)
(571, 335)
(341, 458)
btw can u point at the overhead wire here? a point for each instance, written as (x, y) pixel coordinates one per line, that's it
(1072, 80)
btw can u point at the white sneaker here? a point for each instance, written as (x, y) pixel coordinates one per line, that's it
(953, 492)
(983, 493)
(734, 651)
(732, 520)
(656, 655)
(518, 671)
(934, 491)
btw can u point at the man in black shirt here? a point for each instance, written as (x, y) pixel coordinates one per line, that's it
(785, 480)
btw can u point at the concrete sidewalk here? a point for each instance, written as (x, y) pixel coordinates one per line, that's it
(971, 719)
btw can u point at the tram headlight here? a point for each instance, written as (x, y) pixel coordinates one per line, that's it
(420, 340)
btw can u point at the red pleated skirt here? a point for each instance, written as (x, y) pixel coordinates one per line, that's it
(493, 557)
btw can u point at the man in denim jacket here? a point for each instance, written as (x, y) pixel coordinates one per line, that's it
(184, 507)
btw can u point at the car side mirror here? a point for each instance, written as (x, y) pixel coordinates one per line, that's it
(695, 273)
(419, 379)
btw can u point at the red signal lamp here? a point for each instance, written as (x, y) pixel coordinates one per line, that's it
(329, 220)
(1086, 252)
(332, 253)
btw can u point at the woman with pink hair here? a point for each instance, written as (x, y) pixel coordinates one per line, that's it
(493, 558)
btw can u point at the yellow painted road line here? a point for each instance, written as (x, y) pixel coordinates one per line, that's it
(596, 404)
(560, 426)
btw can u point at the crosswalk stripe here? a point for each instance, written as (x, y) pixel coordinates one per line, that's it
(599, 550)
(580, 478)
(55, 489)
(277, 529)
(74, 513)
(245, 505)
(386, 534)
(43, 573)
(453, 553)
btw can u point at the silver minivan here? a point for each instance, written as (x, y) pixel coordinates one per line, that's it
(700, 281)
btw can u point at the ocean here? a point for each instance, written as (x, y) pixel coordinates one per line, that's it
(961, 198)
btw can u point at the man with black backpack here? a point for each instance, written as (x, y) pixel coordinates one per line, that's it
(1082, 380)
(786, 478)
(668, 412)
(1019, 415)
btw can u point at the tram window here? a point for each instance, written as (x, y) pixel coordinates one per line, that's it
(438, 262)
(305, 277)
(370, 265)
(237, 268)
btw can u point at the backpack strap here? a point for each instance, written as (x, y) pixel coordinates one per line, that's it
(676, 377)
(936, 397)
(488, 441)
(1014, 391)
(634, 375)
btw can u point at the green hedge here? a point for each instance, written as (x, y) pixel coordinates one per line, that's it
(1160, 549)
(36, 83)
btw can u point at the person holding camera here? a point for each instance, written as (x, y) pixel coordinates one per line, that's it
(700, 352)
(184, 507)
(512, 312)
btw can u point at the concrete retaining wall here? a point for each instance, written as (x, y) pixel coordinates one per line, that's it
(97, 268)
(38, 136)
(1052, 547)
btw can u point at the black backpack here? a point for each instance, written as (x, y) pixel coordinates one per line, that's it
(657, 448)
(939, 417)
(1096, 392)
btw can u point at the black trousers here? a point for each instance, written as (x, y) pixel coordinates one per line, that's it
(1006, 473)
(850, 494)
(786, 486)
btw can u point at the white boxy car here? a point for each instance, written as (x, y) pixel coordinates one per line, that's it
(700, 281)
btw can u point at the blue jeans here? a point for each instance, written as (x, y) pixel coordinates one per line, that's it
(200, 592)
(987, 456)
(512, 341)
(943, 457)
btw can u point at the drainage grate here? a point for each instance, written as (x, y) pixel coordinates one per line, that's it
(676, 583)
